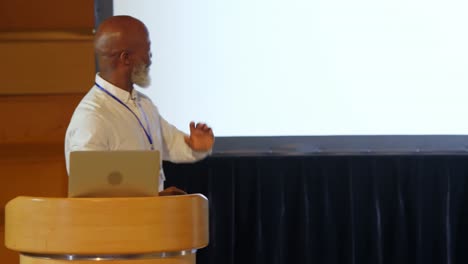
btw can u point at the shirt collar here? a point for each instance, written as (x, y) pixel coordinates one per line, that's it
(120, 93)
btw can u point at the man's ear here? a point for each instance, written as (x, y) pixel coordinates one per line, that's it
(125, 57)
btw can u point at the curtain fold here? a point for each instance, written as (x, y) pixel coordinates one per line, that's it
(331, 209)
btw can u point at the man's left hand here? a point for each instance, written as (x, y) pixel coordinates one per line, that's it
(171, 191)
(201, 137)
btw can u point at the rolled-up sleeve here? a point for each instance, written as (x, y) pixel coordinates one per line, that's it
(174, 147)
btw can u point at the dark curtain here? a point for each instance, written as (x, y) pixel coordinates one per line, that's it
(331, 209)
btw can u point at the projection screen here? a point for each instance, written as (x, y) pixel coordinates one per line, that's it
(383, 72)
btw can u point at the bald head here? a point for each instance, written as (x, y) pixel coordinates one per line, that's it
(118, 33)
(121, 43)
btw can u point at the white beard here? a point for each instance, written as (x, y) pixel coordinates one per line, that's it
(140, 76)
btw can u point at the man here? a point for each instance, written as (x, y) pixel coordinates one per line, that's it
(114, 116)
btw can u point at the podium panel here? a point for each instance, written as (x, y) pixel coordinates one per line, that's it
(187, 259)
(144, 230)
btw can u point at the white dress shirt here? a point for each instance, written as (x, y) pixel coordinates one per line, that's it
(100, 122)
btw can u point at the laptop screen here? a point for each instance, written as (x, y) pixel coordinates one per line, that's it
(114, 173)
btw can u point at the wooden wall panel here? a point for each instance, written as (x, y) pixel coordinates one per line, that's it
(7, 256)
(46, 62)
(46, 14)
(33, 170)
(47, 65)
(32, 158)
(36, 119)
(37, 172)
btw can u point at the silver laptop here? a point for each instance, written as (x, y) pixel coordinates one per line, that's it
(114, 173)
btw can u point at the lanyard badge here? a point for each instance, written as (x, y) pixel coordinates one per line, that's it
(146, 130)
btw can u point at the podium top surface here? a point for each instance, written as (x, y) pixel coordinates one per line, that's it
(134, 225)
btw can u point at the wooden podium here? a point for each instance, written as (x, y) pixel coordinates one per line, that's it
(143, 230)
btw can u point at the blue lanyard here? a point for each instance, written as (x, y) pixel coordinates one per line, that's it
(148, 135)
